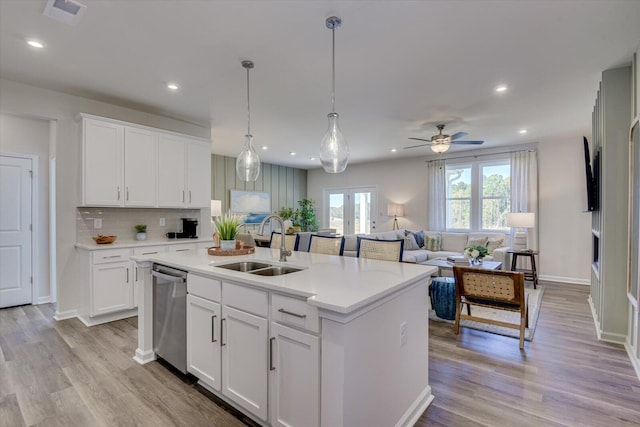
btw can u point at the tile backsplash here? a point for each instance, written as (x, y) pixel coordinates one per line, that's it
(121, 222)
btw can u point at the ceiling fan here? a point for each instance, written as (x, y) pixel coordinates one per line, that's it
(440, 143)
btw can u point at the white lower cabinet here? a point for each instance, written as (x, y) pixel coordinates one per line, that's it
(294, 394)
(112, 288)
(203, 340)
(244, 360)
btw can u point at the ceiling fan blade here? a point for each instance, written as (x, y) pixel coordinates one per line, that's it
(458, 135)
(468, 142)
(421, 139)
(416, 146)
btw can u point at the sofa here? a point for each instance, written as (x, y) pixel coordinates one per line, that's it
(436, 244)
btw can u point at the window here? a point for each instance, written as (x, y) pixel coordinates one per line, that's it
(478, 195)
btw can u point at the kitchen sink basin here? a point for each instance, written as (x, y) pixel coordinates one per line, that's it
(244, 266)
(275, 271)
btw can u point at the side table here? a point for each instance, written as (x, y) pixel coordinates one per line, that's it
(529, 274)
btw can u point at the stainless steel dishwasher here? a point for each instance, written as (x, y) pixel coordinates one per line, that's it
(170, 315)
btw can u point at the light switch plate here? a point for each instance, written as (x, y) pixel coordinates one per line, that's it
(97, 223)
(162, 222)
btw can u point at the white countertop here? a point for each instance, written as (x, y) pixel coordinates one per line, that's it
(119, 244)
(335, 283)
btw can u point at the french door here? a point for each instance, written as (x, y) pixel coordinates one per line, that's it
(350, 210)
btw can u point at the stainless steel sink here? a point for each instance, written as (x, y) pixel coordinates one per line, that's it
(244, 266)
(275, 271)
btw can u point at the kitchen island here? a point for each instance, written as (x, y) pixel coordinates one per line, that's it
(341, 342)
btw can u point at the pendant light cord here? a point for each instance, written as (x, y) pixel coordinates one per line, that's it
(333, 71)
(248, 106)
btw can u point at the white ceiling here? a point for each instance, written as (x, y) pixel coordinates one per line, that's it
(401, 66)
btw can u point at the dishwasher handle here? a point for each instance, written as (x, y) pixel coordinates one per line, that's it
(168, 277)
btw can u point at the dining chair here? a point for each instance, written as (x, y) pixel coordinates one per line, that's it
(385, 250)
(290, 241)
(329, 245)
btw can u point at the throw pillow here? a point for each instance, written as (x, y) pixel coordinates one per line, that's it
(494, 243)
(432, 243)
(410, 243)
(477, 241)
(418, 235)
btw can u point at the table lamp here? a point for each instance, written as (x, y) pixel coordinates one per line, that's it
(520, 221)
(216, 212)
(395, 210)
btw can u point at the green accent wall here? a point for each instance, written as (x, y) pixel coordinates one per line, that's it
(285, 184)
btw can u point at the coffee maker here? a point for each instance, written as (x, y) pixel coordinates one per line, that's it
(189, 228)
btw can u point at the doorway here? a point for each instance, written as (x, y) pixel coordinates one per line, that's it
(350, 210)
(16, 226)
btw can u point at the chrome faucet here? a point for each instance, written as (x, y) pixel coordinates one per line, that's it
(284, 252)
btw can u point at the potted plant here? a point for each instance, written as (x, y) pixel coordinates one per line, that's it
(288, 216)
(141, 231)
(228, 228)
(306, 215)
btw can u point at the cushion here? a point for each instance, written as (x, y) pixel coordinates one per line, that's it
(494, 243)
(410, 243)
(454, 242)
(477, 241)
(432, 243)
(418, 235)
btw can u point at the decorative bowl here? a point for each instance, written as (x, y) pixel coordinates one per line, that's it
(103, 239)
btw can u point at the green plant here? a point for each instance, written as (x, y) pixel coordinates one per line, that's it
(287, 213)
(141, 228)
(476, 251)
(228, 226)
(306, 215)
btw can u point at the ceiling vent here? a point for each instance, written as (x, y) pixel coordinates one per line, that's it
(66, 11)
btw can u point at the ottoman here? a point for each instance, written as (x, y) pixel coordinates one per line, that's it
(443, 292)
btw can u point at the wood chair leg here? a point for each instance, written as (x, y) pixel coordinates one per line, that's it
(522, 322)
(456, 325)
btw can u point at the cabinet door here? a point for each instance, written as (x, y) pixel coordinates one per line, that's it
(295, 377)
(244, 360)
(140, 167)
(102, 163)
(203, 340)
(198, 174)
(111, 288)
(171, 172)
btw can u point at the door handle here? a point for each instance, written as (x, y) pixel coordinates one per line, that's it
(118, 192)
(301, 316)
(271, 367)
(182, 196)
(189, 196)
(127, 274)
(127, 193)
(213, 328)
(222, 332)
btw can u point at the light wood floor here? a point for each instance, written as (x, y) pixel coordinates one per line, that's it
(65, 374)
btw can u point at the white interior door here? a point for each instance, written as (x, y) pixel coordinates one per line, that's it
(15, 231)
(350, 210)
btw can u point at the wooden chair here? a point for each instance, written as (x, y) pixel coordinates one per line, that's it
(246, 239)
(326, 245)
(385, 250)
(290, 241)
(501, 290)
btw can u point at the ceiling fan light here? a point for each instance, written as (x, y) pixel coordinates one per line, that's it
(440, 148)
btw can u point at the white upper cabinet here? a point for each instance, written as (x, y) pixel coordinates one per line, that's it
(171, 172)
(198, 174)
(134, 166)
(140, 167)
(102, 174)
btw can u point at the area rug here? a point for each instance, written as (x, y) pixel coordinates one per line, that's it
(535, 300)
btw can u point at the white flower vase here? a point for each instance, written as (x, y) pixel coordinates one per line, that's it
(141, 236)
(227, 245)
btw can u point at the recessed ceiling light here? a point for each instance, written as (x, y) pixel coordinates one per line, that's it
(35, 43)
(312, 158)
(501, 88)
(172, 86)
(393, 150)
(292, 153)
(264, 147)
(523, 131)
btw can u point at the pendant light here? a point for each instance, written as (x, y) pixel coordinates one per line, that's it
(334, 151)
(248, 161)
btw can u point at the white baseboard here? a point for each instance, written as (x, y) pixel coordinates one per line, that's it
(143, 357)
(43, 300)
(64, 315)
(98, 320)
(634, 360)
(417, 408)
(562, 279)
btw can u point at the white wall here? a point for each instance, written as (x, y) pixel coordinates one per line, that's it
(24, 135)
(564, 236)
(25, 100)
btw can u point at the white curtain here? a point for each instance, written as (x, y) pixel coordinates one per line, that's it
(524, 189)
(436, 188)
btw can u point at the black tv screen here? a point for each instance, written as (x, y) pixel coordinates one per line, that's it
(590, 178)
